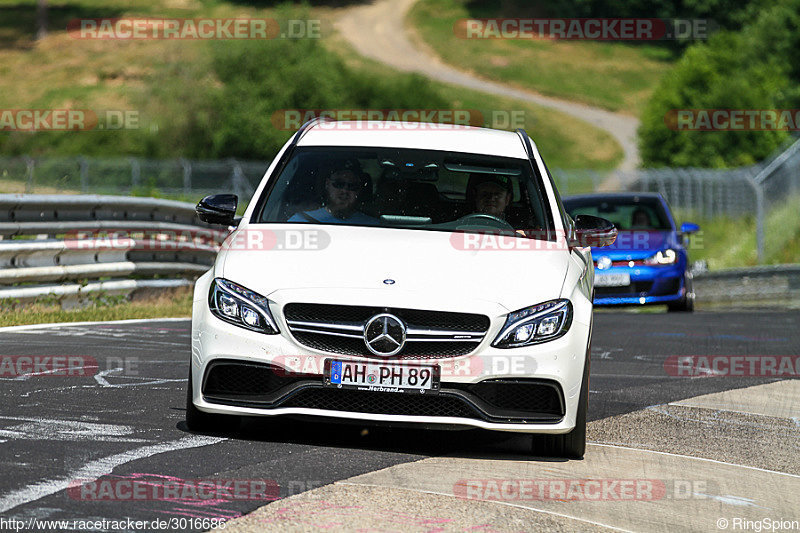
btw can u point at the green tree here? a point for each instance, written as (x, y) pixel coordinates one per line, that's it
(755, 68)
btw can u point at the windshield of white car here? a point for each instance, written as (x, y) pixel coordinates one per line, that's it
(410, 189)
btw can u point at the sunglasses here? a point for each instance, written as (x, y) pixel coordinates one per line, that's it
(349, 185)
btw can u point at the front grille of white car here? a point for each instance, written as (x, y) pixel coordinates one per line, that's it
(339, 329)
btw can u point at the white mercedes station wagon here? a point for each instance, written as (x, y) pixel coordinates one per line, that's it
(399, 273)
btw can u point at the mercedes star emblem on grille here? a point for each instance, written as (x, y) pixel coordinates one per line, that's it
(385, 335)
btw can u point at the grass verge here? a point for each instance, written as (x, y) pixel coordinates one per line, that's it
(615, 76)
(167, 304)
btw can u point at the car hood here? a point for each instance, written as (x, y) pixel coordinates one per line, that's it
(638, 244)
(425, 263)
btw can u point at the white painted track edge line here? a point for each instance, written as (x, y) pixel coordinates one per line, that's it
(97, 468)
(724, 410)
(694, 458)
(10, 329)
(487, 501)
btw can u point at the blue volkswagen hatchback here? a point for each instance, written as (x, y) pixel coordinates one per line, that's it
(648, 263)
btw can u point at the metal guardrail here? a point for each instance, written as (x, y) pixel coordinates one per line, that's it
(763, 285)
(64, 247)
(112, 244)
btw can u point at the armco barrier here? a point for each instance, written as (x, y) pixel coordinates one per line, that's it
(66, 246)
(764, 285)
(41, 254)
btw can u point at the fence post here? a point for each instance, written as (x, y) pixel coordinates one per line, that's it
(187, 176)
(698, 192)
(136, 172)
(30, 164)
(760, 223)
(759, 192)
(238, 181)
(758, 182)
(84, 166)
(686, 183)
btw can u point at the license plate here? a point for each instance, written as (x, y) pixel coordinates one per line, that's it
(382, 377)
(612, 280)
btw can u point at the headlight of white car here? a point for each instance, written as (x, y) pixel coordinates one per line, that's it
(537, 323)
(240, 306)
(663, 257)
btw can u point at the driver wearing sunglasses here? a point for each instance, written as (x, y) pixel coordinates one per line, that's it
(342, 190)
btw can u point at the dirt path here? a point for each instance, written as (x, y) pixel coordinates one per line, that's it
(377, 31)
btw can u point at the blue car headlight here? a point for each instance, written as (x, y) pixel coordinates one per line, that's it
(240, 306)
(662, 257)
(537, 323)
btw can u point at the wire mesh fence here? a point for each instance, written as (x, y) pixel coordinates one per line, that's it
(180, 178)
(706, 192)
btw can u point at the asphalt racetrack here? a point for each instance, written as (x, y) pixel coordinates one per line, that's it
(123, 420)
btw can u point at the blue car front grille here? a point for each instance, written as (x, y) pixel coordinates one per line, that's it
(637, 288)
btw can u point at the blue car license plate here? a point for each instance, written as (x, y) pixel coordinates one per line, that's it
(612, 280)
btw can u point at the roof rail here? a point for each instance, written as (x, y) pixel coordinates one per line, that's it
(526, 142)
(305, 128)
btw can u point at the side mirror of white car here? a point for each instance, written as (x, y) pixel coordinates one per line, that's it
(593, 231)
(218, 209)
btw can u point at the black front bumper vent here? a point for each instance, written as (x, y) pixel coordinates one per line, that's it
(265, 386)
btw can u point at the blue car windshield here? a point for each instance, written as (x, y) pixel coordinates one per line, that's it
(634, 213)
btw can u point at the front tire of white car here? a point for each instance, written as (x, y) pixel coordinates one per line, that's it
(201, 422)
(570, 445)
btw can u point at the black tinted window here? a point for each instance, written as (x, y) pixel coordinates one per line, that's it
(412, 189)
